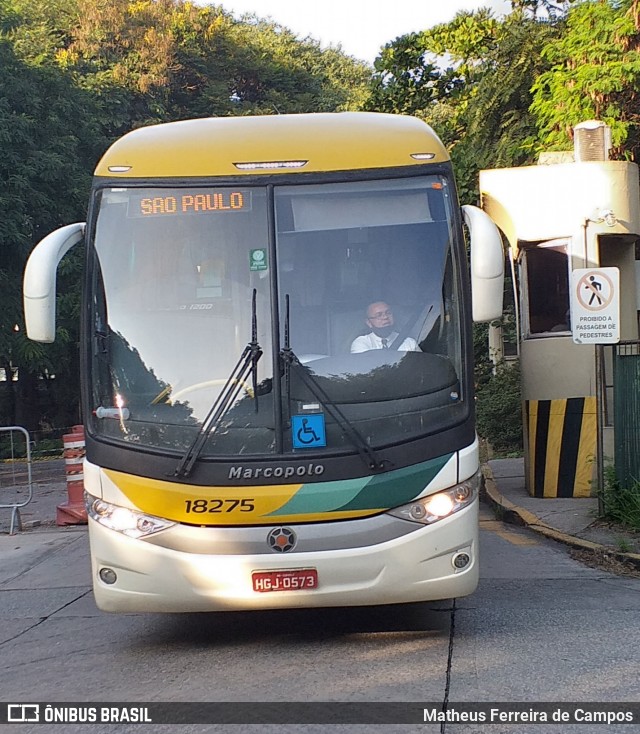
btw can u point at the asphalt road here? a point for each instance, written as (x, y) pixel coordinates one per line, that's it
(541, 627)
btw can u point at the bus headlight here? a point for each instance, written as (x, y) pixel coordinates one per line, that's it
(123, 520)
(434, 507)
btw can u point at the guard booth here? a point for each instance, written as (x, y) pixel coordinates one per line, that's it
(572, 211)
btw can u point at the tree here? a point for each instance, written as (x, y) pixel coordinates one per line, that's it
(594, 73)
(405, 81)
(478, 103)
(542, 8)
(157, 60)
(497, 127)
(275, 72)
(44, 181)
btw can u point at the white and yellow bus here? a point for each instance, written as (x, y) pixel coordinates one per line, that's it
(239, 454)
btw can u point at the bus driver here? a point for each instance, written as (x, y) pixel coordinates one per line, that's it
(382, 335)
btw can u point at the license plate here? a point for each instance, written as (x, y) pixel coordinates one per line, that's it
(293, 580)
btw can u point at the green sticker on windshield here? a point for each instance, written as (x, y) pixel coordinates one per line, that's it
(258, 259)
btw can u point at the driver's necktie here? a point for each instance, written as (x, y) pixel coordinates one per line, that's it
(385, 343)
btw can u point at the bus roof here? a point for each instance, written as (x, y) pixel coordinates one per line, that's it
(344, 141)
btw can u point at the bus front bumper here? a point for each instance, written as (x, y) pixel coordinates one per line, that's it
(419, 565)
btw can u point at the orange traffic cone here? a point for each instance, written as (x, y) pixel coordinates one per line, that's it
(73, 511)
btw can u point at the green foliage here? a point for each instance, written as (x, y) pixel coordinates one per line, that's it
(479, 103)
(624, 545)
(42, 449)
(621, 504)
(499, 409)
(157, 60)
(594, 73)
(50, 142)
(483, 366)
(405, 82)
(542, 8)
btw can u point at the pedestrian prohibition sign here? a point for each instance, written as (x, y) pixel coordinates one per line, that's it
(595, 305)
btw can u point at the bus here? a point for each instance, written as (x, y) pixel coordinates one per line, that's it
(240, 453)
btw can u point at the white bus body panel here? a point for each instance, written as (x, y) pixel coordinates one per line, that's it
(416, 567)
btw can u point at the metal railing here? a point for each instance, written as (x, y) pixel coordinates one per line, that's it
(16, 490)
(626, 414)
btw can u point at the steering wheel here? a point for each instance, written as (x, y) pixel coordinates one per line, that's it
(174, 397)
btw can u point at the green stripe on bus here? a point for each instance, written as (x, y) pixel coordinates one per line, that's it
(378, 492)
(396, 487)
(321, 497)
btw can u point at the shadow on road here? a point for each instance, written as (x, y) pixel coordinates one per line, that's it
(426, 619)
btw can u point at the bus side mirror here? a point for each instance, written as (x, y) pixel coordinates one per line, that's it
(487, 264)
(39, 285)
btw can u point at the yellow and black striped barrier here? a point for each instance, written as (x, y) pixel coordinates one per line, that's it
(561, 447)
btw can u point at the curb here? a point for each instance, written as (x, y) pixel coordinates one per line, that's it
(515, 515)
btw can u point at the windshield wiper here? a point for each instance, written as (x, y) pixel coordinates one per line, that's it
(245, 366)
(290, 359)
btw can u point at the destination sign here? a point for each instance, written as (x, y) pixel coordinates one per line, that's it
(190, 202)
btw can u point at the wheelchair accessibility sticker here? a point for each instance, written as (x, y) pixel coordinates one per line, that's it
(308, 431)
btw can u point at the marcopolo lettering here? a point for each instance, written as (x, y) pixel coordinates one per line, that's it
(276, 472)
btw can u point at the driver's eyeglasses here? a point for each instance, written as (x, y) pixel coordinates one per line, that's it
(380, 315)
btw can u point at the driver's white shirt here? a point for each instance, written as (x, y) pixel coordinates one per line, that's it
(372, 341)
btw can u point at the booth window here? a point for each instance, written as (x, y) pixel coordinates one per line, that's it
(545, 295)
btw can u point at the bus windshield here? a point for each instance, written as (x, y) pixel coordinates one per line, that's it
(352, 290)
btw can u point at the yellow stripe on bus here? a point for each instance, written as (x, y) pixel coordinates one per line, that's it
(213, 505)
